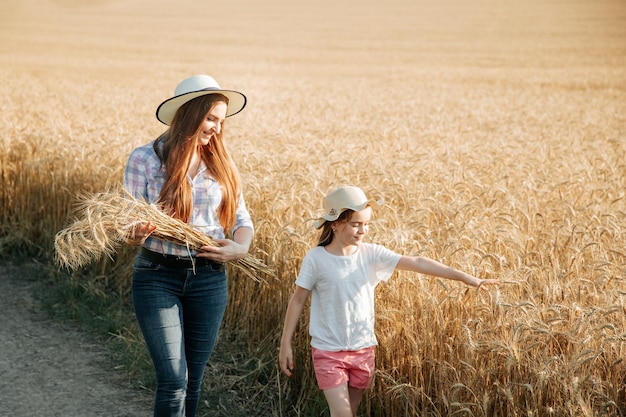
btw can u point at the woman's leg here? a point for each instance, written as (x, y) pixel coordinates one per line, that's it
(204, 303)
(156, 298)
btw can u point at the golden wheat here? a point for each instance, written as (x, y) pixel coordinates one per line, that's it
(105, 220)
(494, 131)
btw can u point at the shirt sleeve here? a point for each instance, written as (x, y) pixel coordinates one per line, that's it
(243, 218)
(135, 175)
(306, 275)
(386, 261)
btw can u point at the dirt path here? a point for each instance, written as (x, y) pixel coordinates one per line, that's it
(49, 368)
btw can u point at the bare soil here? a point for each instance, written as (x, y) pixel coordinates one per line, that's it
(52, 368)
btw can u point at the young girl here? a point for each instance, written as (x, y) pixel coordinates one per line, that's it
(341, 274)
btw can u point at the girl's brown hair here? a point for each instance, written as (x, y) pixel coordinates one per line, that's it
(326, 236)
(179, 143)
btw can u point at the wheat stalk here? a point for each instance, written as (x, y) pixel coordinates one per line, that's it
(105, 220)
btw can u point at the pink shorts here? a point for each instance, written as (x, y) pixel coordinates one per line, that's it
(355, 367)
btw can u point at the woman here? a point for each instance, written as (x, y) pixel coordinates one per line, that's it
(341, 274)
(180, 295)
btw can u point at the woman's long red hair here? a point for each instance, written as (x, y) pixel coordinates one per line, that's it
(179, 143)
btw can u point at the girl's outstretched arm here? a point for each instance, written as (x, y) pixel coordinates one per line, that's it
(294, 310)
(431, 267)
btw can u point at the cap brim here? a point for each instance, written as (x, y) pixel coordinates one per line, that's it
(319, 222)
(167, 110)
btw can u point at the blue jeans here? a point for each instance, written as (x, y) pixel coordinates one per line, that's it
(180, 313)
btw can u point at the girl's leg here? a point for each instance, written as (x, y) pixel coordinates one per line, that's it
(339, 401)
(336, 372)
(343, 401)
(355, 399)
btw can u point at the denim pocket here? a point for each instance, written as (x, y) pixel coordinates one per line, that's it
(145, 264)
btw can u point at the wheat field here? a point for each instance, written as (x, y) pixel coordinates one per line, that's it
(494, 130)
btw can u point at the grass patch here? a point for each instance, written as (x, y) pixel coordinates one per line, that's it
(101, 314)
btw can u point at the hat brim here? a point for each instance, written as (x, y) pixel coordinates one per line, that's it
(319, 222)
(167, 110)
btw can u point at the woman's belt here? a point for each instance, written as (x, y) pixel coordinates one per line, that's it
(173, 261)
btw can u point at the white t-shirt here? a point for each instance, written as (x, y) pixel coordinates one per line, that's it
(342, 294)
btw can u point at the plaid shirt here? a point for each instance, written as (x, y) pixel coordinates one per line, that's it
(144, 178)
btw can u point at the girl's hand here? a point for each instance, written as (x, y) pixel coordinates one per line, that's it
(484, 283)
(285, 358)
(228, 250)
(140, 233)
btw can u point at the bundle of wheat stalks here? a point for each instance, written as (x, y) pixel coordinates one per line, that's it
(105, 220)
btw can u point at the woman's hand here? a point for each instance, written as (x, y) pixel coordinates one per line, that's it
(140, 233)
(228, 250)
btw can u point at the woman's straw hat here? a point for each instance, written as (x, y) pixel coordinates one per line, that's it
(342, 199)
(196, 86)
